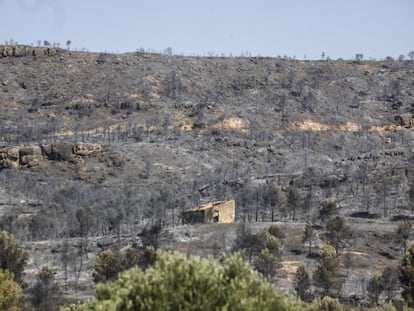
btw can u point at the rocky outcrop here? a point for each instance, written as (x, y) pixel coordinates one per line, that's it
(28, 156)
(405, 120)
(86, 149)
(9, 157)
(21, 156)
(112, 159)
(25, 50)
(60, 151)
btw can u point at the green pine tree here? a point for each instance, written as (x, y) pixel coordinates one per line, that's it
(327, 273)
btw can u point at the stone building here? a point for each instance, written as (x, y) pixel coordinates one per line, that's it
(213, 212)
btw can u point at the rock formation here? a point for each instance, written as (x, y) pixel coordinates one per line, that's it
(28, 156)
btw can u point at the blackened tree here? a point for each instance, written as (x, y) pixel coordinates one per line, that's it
(277, 200)
(390, 283)
(150, 236)
(359, 57)
(83, 216)
(293, 199)
(374, 288)
(247, 242)
(44, 289)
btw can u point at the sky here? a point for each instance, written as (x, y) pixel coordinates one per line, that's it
(293, 28)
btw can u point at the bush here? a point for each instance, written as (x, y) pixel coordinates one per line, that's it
(338, 232)
(10, 292)
(107, 266)
(327, 273)
(12, 255)
(328, 207)
(175, 283)
(276, 231)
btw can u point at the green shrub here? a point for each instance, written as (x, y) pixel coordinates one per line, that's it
(10, 291)
(177, 283)
(107, 266)
(328, 207)
(326, 304)
(276, 231)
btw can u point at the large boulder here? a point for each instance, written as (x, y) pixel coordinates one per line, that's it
(112, 159)
(13, 156)
(30, 156)
(38, 51)
(60, 151)
(6, 50)
(34, 155)
(51, 51)
(3, 159)
(86, 149)
(329, 181)
(20, 50)
(9, 157)
(405, 119)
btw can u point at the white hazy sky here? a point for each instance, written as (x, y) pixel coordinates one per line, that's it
(340, 28)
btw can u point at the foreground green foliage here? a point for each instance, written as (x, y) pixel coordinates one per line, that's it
(175, 283)
(12, 255)
(10, 291)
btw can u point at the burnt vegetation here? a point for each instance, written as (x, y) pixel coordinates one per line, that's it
(105, 151)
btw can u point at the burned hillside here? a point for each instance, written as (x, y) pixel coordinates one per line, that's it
(104, 145)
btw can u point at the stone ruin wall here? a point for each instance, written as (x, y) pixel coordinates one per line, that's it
(227, 211)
